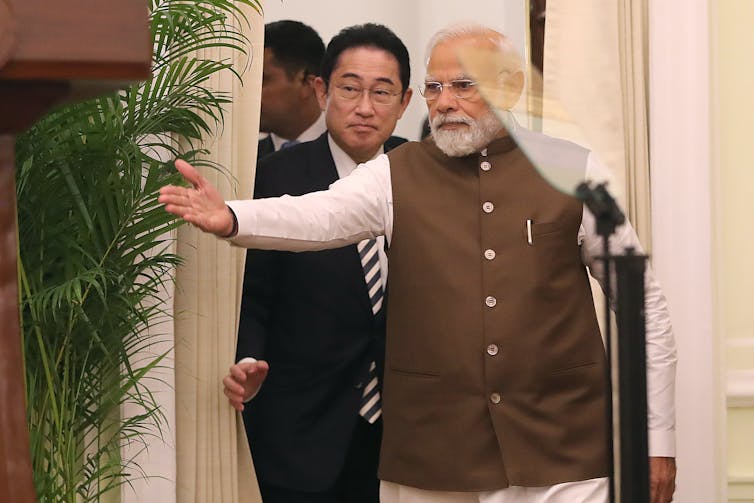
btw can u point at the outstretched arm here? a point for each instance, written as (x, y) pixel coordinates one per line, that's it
(356, 207)
(201, 205)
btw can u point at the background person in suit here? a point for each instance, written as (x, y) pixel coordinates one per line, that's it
(289, 108)
(310, 314)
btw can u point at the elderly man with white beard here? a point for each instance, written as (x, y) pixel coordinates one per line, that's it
(495, 377)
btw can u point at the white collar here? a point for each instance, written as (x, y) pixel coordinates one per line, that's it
(343, 162)
(311, 133)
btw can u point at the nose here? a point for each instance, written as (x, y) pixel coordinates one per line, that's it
(364, 105)
(446, 102)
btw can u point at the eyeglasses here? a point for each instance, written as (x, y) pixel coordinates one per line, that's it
(460, 88)
(378, 96)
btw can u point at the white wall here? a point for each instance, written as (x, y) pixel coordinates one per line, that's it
(679, 90)
(733, 157)
(414, 21)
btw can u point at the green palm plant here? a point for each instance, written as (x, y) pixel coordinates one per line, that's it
(93, 241)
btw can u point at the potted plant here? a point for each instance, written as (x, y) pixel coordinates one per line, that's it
(92, 248)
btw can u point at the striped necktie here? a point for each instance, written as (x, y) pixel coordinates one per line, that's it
(371, 402)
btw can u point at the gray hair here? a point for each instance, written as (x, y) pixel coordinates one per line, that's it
(469, 29)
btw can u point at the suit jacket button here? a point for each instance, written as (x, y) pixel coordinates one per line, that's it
(358, 385)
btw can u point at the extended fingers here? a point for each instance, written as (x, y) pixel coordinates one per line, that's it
(189, 173)
(177, 196)
(177, 200)
(173, 190)
(235, 401)
(238, 373)
(233, 389)
(262, 366)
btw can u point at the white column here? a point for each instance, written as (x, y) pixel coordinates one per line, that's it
(679, 42)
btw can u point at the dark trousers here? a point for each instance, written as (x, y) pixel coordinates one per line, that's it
(357, 483)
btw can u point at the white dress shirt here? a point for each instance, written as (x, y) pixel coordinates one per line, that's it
(360, 206)
(345, 166)
(311, 133)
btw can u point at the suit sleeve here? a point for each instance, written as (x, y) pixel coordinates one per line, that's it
(260, 293)
(257, 302)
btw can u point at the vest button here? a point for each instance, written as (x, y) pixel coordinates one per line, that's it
(490, 301)
(488, 207)
(492, 349)
(489, 254)
(486, 166)
(496, 398)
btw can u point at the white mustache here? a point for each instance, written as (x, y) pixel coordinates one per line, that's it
(443, 119)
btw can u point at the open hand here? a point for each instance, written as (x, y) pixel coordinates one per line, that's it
(200, 205)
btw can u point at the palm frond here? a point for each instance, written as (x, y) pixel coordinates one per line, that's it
(93, 248)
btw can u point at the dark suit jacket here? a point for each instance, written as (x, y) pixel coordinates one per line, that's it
(309, 315)
(265, 147)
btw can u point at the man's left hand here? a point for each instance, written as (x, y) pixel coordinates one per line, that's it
(661, 479)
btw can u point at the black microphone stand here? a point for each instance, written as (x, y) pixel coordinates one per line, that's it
(628, 449)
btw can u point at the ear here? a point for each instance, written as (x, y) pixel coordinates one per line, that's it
(321, 89)
(405, 101)
(513, 85)
(307, 85)
(309, 79)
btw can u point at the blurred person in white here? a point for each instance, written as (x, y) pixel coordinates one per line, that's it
(495, 373)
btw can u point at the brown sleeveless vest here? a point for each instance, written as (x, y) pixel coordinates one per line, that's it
(495, 370)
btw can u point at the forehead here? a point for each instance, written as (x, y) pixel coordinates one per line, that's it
(366, 63)
(271, 64)
(444, 63)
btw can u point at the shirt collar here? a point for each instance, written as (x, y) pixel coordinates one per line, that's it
(311, 133)
(343, 162)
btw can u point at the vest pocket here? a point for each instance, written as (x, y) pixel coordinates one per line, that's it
(572, 368)
(581, 379)
(545, 228)
(414, 373)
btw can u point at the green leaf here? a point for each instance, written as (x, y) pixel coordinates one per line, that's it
(94, 248)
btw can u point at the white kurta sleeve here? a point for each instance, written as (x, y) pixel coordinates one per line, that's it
(661, 349)
(354, 208)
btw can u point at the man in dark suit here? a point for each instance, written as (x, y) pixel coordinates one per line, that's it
(313, 428)
(289, 108)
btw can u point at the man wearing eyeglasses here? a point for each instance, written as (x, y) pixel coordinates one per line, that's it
(314, 428)
(494, 384)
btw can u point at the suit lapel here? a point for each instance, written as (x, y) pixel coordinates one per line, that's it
(265, 147)
(322, 172)
(327, 174)
(321, 166)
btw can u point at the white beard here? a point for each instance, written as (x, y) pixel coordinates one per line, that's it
(465, 141)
